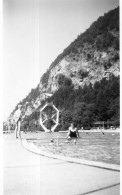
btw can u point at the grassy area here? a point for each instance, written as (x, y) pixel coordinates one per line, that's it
(91, 146)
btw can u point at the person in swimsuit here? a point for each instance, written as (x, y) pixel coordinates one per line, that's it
(72, 133)
(17, 119)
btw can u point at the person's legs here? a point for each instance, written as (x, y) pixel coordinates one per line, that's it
(25, 129)
(16, 130)
(72, 138)
(19, 132)
(75, 141)
(68, 139)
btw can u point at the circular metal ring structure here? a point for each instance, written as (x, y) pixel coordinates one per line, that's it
(44, 117)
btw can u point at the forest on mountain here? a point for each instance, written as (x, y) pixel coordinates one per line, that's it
(84, 106)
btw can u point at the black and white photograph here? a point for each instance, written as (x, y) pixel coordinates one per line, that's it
(61, 97)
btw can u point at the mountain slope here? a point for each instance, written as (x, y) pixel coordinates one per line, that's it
(92, 57)
(95, 51)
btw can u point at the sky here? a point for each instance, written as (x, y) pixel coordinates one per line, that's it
(35, 32)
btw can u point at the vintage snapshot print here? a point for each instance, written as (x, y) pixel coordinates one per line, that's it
(61, 97)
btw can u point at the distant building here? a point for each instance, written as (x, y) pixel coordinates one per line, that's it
(103, 124)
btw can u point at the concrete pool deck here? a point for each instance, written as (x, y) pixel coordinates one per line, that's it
(26, 173)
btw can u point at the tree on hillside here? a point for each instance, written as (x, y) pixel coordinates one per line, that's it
(66, 119)
(114, 109)
(79, 109)
(88, 115)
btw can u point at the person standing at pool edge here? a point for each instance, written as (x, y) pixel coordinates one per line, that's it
(17, 118)
(72, 133)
